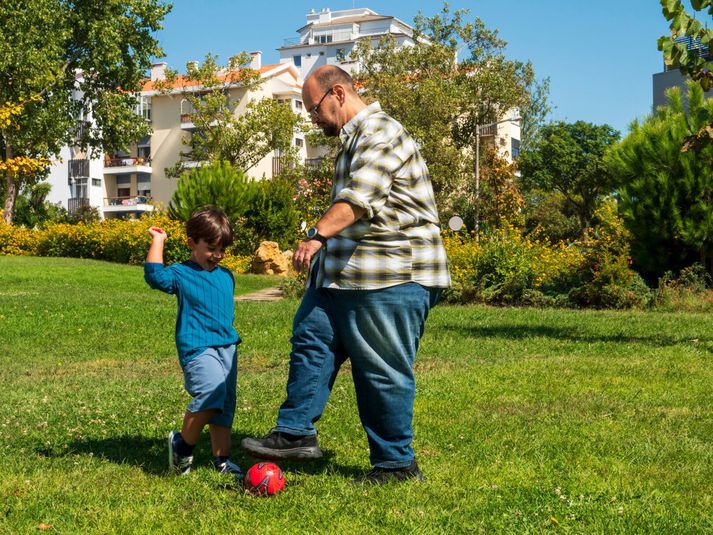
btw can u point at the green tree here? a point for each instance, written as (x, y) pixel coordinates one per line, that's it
(440, 100)
(534, 113)
(694, 61)
(51, 48)
(569, 159)
(666, 194)
(241, 139)
(219, 185)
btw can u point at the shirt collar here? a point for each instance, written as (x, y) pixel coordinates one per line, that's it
(354, 123)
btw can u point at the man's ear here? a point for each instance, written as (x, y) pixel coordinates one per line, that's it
(191, 243)
(339, 92)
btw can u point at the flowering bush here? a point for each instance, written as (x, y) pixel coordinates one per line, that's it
(115, 240)
(606, 277)
(506, 267)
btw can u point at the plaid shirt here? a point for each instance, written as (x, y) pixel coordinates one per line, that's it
(398, 240)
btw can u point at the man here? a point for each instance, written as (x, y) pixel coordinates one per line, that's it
(377, 267)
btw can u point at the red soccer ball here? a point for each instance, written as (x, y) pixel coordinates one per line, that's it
(265, 479)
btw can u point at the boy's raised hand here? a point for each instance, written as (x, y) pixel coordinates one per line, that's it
(157, 232)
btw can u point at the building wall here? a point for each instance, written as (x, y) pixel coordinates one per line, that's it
(168, 136)
(665, 80)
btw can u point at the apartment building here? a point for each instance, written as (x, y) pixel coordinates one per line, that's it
(672, 77)
(127, 184)
(329, 37)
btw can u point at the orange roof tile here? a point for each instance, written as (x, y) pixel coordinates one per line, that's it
(183, 81)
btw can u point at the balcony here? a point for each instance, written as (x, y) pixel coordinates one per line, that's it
(292, 41)
(187, 121)
(124, 205)
(78, 168)
(313, 162)
(280, 164)
(74, 204)
(127, 166)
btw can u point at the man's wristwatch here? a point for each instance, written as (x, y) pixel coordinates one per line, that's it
(313, 234)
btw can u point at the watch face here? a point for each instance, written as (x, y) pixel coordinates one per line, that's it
(311, 233)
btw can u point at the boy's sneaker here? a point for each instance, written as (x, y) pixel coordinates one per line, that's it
(379, 475)
(177, 463)
(278, 446)
(228, 467)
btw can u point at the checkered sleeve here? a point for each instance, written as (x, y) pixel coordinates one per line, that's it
(371, 173)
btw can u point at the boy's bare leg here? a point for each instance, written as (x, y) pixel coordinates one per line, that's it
(220, 440)
(193, 424)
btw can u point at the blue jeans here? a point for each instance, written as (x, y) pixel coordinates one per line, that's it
(379, 331)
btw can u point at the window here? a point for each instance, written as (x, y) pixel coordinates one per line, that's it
(186, 111)
(514, 147)
(143, 185)
(143, 107)
(297, 61)
(80, 188)
(298, 105)
(96, 182)
(324, 38)
(341, 54)
(299, 142)
(144, 152)
(123, 192)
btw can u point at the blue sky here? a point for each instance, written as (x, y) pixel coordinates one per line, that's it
(599, 54)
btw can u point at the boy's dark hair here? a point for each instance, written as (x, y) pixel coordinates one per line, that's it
(211, 225)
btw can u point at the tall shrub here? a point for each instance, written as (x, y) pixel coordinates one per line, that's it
(218, 184)
(667, 194)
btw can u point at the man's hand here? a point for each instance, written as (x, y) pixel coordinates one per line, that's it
(303, 255)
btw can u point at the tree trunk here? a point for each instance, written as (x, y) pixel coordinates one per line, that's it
(10, 196)
(11, 190)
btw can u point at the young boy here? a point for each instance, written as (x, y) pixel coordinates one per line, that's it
(205, 336)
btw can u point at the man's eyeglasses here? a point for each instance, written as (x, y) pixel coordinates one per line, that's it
(315, 109)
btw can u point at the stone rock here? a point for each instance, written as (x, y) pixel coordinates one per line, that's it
(268, 260)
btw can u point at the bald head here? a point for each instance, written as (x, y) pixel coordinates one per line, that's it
(328, 94)
(328, 76)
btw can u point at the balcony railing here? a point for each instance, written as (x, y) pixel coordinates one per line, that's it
(126, 162)
(488, 130)
(75, 203)
(292, 41)
(81, 128)
(694, 47)
(127, 201)
(313, 162)
(78, 168)
(280, 164)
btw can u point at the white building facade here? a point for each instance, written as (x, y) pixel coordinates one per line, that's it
(133, 182)
(329, 37)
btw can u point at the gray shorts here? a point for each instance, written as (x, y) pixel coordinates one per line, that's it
(211, 379)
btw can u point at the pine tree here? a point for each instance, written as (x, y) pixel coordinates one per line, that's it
(666, 197)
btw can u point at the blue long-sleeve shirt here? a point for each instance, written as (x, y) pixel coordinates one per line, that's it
(205, 305)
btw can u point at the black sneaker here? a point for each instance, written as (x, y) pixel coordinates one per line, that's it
(177, 463)
(278, 446)
(379, 475)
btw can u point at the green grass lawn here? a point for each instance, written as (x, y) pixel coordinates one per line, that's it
(526, 420)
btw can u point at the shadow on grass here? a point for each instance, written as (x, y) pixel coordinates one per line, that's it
(519, 332)
(151, 455)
